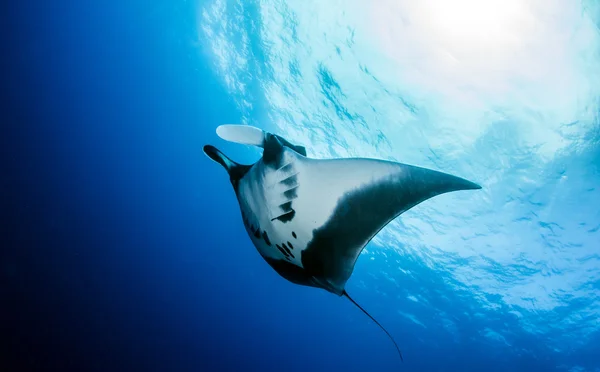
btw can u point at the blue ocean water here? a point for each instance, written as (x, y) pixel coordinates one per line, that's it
(123, 248)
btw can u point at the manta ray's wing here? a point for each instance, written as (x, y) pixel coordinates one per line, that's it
(347, 201)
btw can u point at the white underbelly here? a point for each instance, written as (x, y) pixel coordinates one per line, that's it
(277, 240)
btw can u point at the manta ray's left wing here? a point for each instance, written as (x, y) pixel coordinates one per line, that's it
(347, 202)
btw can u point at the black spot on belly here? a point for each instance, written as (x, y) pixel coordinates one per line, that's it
(294, 235)
(266, 238)
(257, 233)
(281, 250)
(291, 246)
(287, 250)
(286, 217)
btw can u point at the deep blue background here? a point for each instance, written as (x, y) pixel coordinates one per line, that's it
(122, 247)
(107, 213)
(117, 254)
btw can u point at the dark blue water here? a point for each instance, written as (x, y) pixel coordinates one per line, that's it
(122, 245)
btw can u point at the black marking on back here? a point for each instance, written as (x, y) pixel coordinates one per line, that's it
(294, 235)
(290, 244)
(257, 233)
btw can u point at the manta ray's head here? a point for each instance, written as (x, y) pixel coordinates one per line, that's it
(272, 145)
(236, 171)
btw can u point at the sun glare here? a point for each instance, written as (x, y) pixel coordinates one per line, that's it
(472, 31)
(486, 52)
(475, 21)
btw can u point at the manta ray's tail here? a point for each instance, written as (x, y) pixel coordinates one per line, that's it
(376, 322)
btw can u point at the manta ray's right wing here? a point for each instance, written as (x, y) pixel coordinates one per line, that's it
(348, 201)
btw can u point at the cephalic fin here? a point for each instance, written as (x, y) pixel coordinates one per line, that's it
(243, 134)
(249, 135)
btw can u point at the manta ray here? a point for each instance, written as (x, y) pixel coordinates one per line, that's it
(311, 218)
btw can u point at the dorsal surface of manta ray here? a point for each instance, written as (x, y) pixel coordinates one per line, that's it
(311, 218)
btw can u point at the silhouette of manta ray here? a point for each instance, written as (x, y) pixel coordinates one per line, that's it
(311, 218)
